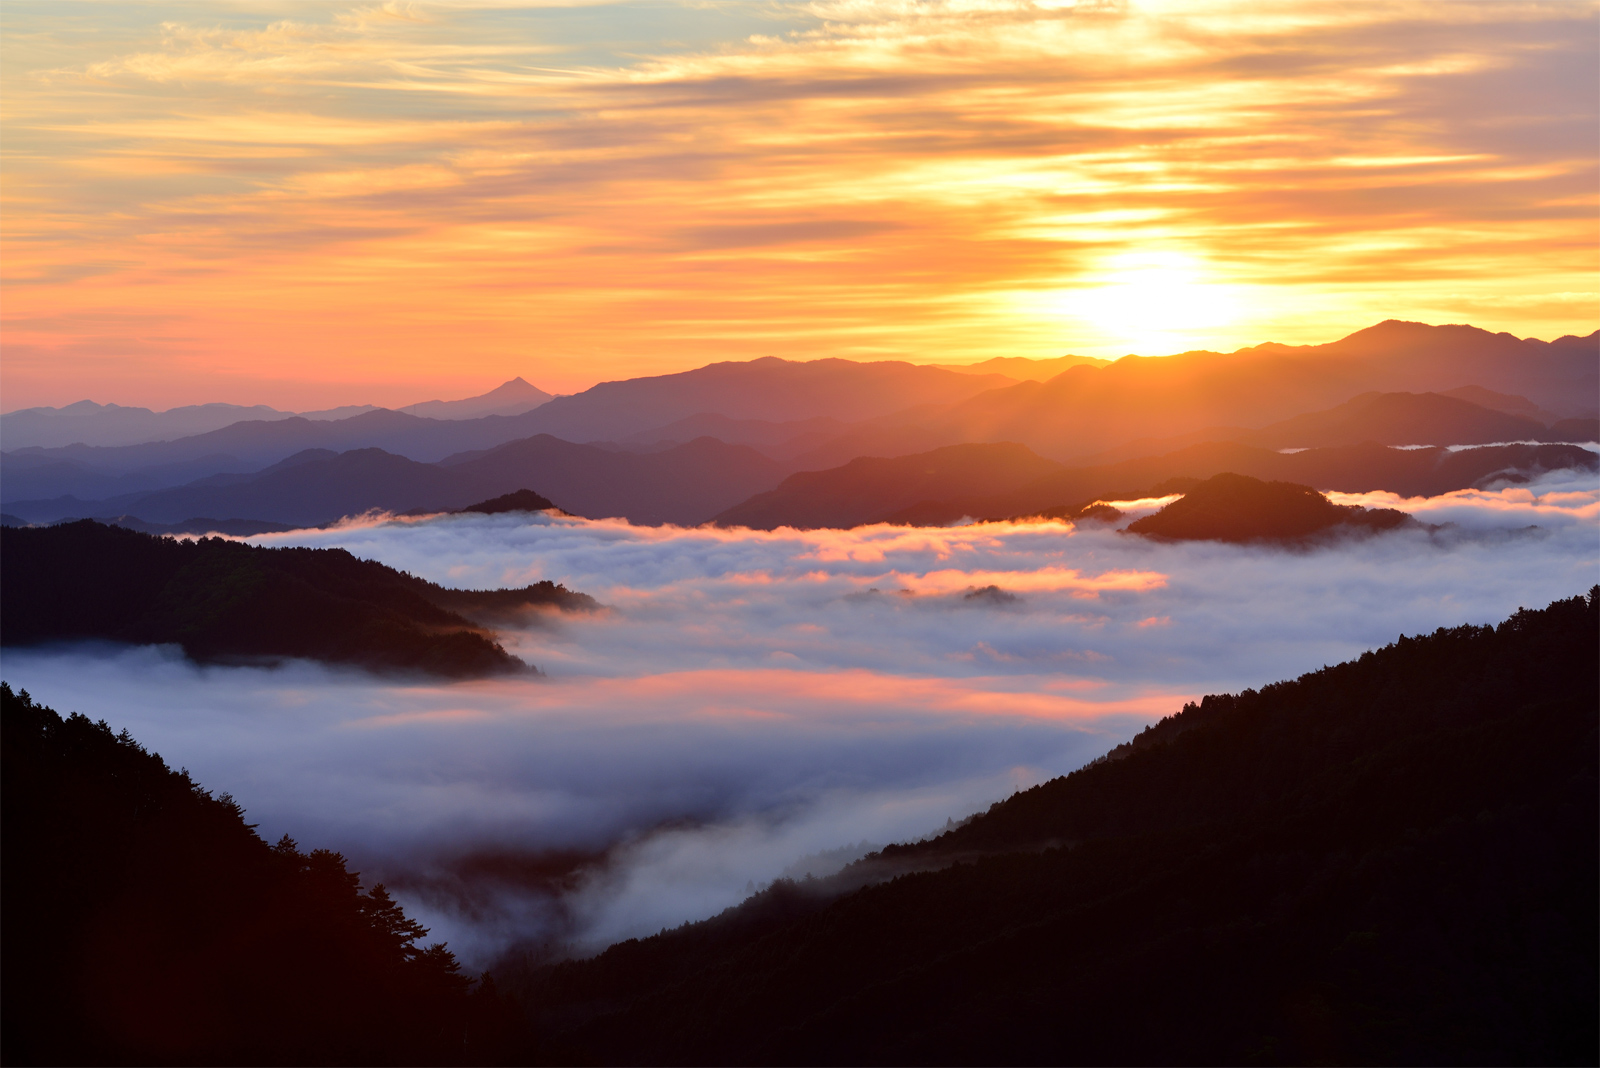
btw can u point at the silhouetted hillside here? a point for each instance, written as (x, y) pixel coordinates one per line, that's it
(522, 500)
(1391, 861)
(870, 487)
(686, 484)
(823, 413)
(508, 398)
(1087, 410)
(1238, 508)
(911, 489)
(228, 601)
(146, 923)
(768, 389)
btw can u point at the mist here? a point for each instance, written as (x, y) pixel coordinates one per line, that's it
(746, 700)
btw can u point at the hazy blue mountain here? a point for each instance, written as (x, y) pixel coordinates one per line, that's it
(244, 448)
(88, 423)
(986, 481)
(114, 424)
(508, 398)
(685, 484)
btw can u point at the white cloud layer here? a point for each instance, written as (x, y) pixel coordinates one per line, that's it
(748, 698)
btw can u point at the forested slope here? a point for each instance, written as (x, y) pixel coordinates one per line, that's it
(1388, 861)
(147, 923)
(228, 601)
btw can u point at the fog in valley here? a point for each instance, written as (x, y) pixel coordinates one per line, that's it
(747, 700)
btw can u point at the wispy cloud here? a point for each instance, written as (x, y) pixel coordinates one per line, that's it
(751, 697)
(572, 192)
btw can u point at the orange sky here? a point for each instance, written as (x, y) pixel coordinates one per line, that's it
(306, 205)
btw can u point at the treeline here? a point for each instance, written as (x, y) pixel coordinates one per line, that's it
(147, 923)
(226, 601)
(1238, 508)
(1389, 861)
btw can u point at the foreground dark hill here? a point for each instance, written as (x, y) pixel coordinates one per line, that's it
(908, 489)
(1238, 508)
(1391, 861)
(226, 601)
(147, 923)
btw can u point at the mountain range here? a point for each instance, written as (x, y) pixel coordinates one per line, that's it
(88, 423)
(1400, 384)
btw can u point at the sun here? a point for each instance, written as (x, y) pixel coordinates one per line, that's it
(1155, 299)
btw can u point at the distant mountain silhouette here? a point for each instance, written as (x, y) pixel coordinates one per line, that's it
(1238, 508)
(817, 415)
(508, 398)
(1025, 369)
(768, 389)
(1500, 402)
(1087, 410)
(900, 489)
(112, 425)
(229, 601)
(1387, 418)
(522, 500)
(234, 528)
(1390, 861)
(115, 424)
(871, 487)
(685, 484)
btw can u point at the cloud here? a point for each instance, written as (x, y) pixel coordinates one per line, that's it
(750, 698)
(650, 187)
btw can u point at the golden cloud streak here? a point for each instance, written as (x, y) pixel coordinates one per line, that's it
(433, 197)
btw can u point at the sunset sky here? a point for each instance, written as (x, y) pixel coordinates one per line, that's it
(306, 204)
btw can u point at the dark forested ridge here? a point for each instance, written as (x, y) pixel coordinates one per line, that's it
(147, 923)
(1239, 508)
(227, 601)
(1388, 861)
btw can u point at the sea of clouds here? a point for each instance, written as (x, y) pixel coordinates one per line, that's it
(754, 704)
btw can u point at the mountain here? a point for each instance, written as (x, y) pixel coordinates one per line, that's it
(1087, 410)
(900, 490)
(522, 500)
(113, 424)
(242, 448)
(1500, 402)
(1389, 861)
(824, 413)
(508, 398)
(228, 601)
(768, 389)
(1400, 419)
(1387, 418)
(147, 923)
(1238, 508)
(870, 487)
(685, 484)
(1023, 368)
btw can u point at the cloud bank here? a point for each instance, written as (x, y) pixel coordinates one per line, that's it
(747, 699)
